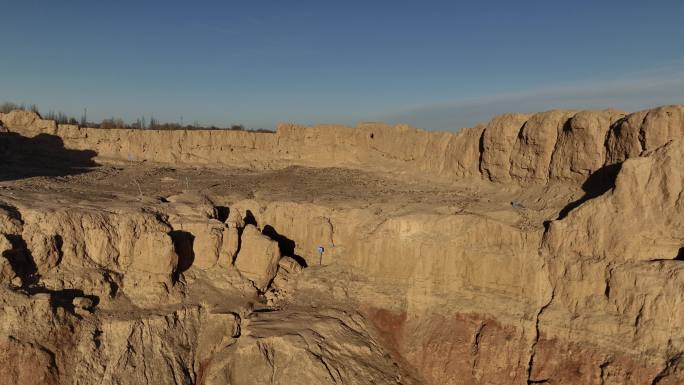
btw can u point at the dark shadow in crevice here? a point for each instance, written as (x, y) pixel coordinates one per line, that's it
(265, 310)
(63, 298)
(222, 213)
(299, 259)
(521, 130)
(250, 219)
(596, 184)
(240, 230)
(11, 210)
(183, 243)
(567, 126)
(285, 244)
(22, 261)
(43, 155)
(680, 254)
(59, 243)
(481, 149)
(113, 286)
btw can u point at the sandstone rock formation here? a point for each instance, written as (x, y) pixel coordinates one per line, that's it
(498, 140)
(536, 248)
(258, 257)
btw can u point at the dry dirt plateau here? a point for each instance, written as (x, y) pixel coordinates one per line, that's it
(541, 248)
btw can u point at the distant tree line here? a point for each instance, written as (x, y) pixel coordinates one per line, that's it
(6, 107)
(117, 123)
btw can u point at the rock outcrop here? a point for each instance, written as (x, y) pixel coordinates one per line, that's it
(553, 255)
(258, 257)
(531, 148)
(614, 264)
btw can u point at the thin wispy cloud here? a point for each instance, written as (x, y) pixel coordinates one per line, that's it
(651, 87)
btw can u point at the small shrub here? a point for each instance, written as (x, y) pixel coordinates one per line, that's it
(8, 107)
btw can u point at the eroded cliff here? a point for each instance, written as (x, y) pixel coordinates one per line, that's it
(536, 248)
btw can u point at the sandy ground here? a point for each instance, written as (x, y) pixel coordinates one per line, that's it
(149, 184)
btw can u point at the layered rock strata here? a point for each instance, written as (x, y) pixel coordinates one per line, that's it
(586, 291)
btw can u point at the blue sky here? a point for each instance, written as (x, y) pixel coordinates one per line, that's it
(435, 65)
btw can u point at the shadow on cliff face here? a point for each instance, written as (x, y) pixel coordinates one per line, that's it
(285, 244)
(183, 243)
(598, 183)
(21, 260)
(64, 298)
(43, 155)
(680, 254)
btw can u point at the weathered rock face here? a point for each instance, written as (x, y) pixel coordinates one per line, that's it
(258, 257)
(536, 143)
(614, 265)
(112, 240)
(549, 288)
(410, 300)
(581, 148)
(526, 148)
(26, 363)
(136, 242)
(300, 348)
(7, 273)
(27, 120)
(213, 242)
(90, 308)
(643, 131)
(497, 145)
(644, 203)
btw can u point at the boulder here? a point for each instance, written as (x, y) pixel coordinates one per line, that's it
(153, 252)
(204, 243)
(83, 304)
(258, 257)
(235, 218)
(282, 288)
(207, 235)
(229, 246)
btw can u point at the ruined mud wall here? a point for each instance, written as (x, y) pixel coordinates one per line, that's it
(524, 148)
(594, 297)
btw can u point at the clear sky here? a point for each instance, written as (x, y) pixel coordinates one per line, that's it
(435, 65)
